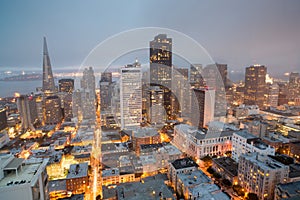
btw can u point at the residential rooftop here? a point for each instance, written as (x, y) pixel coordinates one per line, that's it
(184, 163)
(78, 170)
(228, 164)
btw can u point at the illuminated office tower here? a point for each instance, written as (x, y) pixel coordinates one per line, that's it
(53, 112)
(105, 90)
(39, 107)
(180, 92)
(48, 80)
(66, 85)
(131, 96)
(273, 95)
(204, 108)
(293, 87)
(88, 94)
(161, 67)
(88, 81)
(156, 112)
(24, 111)
(223, 72)
(196, 79)
(255, 85)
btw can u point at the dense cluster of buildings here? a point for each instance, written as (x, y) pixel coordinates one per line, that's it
(162, 133)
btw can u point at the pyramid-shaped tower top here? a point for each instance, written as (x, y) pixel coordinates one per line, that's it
(48, 80)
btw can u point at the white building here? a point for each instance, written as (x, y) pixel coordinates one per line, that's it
(23, 180)
(244, 142)
(260, 174)
(197, 143)
(131, 96)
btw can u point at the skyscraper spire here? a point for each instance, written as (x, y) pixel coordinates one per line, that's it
(48, 80)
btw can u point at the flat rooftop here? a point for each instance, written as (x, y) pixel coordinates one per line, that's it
(245, 134)
(24, 175)
(290, 189)
(148, 189)
(228, 164)
(184, 163)
(194, 178)
(78, 170)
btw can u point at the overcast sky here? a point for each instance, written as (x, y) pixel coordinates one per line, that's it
(239, 33)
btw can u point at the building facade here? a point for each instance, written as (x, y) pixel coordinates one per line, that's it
(131, 96)
(260, 174)
(255, 85)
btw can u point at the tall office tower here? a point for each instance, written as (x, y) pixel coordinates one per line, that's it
(156, 112)
(223, 72)
(196, 79)
(180, 92)
(3, 118)
(273, 95)
(213, 80)
(67, 107)
(53, 112)
(39, 107)
(161, 67)
(48, 80)
(131, 96)
(255, 85)
(204, 108)
(88, 81)
(76, 104)
(66, 85)
(105, 91)
(88, 94)
(293, 87)
(24, 111)
(283, 94)
(116, 102)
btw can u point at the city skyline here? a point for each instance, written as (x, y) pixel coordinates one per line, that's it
(150, 112)
(259, 31)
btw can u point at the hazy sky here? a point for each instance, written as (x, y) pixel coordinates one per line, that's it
(239, 33)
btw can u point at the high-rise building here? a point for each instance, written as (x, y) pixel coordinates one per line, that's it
(293, 88)
(24, 111)
(105, 90)
(53, 111)
(260, 174)
(3, 119)
(156, 111)
(131, 96)
(273, 95)
(87, 95)
(214, 80)
(223, 72)
(66, 85)
(88, 81)
(204, 108)
(196, 79)
(161, 67)
(48, 80)
(67, 107)
(255, 85)
(180, 92)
